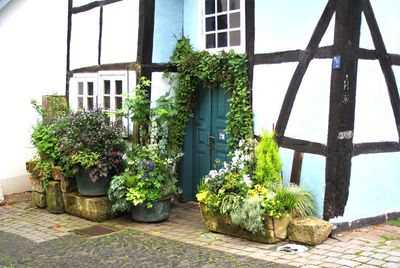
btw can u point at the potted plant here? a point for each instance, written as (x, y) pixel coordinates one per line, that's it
(95, 147)
(46, 138)
(150, 179)
(247, 197)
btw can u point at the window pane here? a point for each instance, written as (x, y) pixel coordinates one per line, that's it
(210, 24)
(222, 5)
(106, 102)
(90, 103)
(210, 6)
(80, 88)
(80, 102)
(222, 22)
(118, 102)
(222, 39)
(118, 120)
(90, 88)
(234, 4)
(107, 86)
(234, 20)
(118, 87)
(234, 38)
(210, 41)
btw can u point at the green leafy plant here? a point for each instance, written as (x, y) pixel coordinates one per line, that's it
(117, 193)
(93, 142)
(200, 70)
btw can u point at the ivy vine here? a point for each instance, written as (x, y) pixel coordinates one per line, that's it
(200, 70)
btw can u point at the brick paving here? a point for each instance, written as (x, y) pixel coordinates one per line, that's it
(377, 246)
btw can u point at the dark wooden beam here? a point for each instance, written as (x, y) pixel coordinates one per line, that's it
(376, 147)
(92, 5)
(342, 108)
(296, 167)
(278, 57)
(303, 146)
(385, 62)
(106, 67)
(69, 29)
(100, 35)
(395, 59)
(301, 69)
(250, 36)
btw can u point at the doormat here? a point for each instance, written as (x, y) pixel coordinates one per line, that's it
(96, 230)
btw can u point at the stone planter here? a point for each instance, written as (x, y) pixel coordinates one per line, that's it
(159, 212)
(275, 229)
(87, 187)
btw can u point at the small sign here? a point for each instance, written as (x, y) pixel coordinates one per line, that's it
(221, 136)
(336, 62)
(345, 135)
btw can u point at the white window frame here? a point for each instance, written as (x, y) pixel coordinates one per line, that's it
(239, 49)
(128, 79)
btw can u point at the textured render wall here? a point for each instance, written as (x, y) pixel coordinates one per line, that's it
(192, 20)
(375, 178)
(168, 27)
(33, 58)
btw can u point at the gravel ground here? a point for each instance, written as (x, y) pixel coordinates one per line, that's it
(126, 248)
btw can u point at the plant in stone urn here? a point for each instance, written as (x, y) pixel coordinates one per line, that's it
(95, 147)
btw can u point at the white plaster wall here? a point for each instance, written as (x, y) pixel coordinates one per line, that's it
(84, 39)
(33, 58)
(120, 32)
(192, 21)
(159, 86)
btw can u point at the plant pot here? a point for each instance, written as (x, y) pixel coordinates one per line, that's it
(275, 229)
(87, 187)
(159, 212)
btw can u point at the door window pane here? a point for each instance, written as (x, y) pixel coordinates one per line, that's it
(234, 20)
(80, 88)
(222, 22)
(80, 102)
(222, 5)
(210, 6)
(210, 41)
(90, 103)
(234, 38)
(90, 88)
(118, 87)
(234, 4)
(118, 102)
(106, 102)
(222, 39)
(107, 86)
(210, 24)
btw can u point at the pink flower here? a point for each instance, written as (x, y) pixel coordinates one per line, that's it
(113, 154)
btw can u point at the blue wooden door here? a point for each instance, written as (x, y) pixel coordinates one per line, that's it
(205, 139)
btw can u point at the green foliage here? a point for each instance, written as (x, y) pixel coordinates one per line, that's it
(117, 195)
(297, 200)
(201, 71)
(86, 160)
(395, 222)
(249, 214)
(269, 165)
(137, 107)
(90, 133)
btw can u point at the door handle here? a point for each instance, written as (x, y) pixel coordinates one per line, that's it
(211, 139)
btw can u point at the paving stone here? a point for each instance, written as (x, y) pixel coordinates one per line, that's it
(376, 262)
(348, 263)
(379, 256)
(391, 265)
(362, 259)
(393, 259)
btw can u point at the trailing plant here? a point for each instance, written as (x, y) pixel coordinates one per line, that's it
(91, 141)
(117, 195)
(137, 108)
(201, 71)
(248, 197)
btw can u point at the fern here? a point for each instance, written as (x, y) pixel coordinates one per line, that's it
(268, 162)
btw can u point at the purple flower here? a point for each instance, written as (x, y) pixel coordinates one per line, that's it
(145, 175)
(151, 165)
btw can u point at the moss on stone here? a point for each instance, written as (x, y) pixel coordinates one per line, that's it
(55, 203)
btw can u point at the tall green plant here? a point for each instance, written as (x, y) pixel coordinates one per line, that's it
(268, 162)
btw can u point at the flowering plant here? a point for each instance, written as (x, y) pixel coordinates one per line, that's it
(247, 188)
(93, 143)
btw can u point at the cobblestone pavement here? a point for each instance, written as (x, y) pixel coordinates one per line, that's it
(182, 241)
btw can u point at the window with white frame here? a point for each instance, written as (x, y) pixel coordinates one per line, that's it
(224, 24)
(105, 90)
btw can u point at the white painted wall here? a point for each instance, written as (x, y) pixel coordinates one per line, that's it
(33, 58)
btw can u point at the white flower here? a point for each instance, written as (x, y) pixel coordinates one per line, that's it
(206, 179)
(247, 180)
(241, 142)
(241, 166)
(213, 174)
